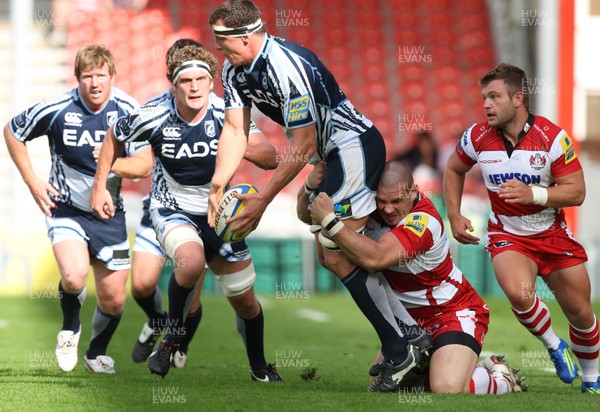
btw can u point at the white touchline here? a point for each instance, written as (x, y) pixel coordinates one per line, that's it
(314, 315)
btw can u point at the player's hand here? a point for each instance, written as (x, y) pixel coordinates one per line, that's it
(321, 206)
(41, 190)
(460, 227)
(96, 152)
(249, 218)
(316, 176)
(515, 191)
(101, 202)
(214, 198)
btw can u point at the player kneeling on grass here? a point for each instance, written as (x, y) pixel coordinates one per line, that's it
(184, 133)
(407, 244)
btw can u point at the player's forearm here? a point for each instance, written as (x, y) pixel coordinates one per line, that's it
(20, 156)
(453, 189)
(566, 195)
(132, 168)
(285, 172)
(262, 155)
(108, 155)
(302, 206)
(137, 166)
(361, 250)
(232, 146)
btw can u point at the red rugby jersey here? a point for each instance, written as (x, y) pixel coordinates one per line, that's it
(429, 277)
(544, 151)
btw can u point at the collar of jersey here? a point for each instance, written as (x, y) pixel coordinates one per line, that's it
(209, 105)
(264, 49)
(85, 106)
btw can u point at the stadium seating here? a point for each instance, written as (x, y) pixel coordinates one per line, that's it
(411, 57)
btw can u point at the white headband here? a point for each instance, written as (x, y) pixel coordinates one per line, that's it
(191, 65)
(238, 31)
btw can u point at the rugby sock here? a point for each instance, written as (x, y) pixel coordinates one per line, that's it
(103, 328)
(408, 326)
(71, 305)
(152, 307)
(180, 299)
(585, 345)
(537, 321)
(370, 296)
(252, 332)
(191, 323)
(482, 383)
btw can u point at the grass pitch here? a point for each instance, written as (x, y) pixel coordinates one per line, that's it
(322, 344)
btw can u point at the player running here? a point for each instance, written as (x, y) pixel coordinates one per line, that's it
(75, 123)
(147, 264)
(184, 134)
(531, 171)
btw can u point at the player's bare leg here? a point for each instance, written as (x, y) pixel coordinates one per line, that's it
(111, 295)
(145, 274)
(249, 314)
(571, 287)
(73, 261)
(516, 275)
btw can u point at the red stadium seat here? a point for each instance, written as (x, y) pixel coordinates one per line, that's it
(411, 73)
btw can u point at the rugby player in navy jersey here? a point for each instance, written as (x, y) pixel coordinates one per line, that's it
(149, 258)
(292, 86)
(75, 123)
(184, 134)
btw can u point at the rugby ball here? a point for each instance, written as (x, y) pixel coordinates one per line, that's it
(231, 206)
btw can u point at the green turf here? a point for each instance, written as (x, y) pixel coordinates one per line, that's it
(217, 379)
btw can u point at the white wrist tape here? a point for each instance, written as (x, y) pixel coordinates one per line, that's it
(540, 195)
(307, 189)
(332, 224)
(327, 219)
(339, 225)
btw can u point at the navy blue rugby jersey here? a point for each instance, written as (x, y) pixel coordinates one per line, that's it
(157, 98)
(185, 153)
(292, 86)
(73, 131)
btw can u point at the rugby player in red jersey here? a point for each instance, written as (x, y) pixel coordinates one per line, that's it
(531, 172)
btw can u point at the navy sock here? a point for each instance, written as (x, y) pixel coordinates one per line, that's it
(252, 332)
(178, 300)
(393, 346)
(103, 328)
(152, 307)
(70, 305)
(191, 325)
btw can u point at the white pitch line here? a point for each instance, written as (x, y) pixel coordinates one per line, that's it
(3, 323)
(314, 315)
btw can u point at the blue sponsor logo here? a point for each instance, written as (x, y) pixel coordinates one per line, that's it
(499, 178)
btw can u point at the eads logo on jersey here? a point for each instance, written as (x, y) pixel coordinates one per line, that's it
(537, 161)
(417, 223)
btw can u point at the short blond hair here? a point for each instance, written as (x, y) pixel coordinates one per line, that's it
(93, 56)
